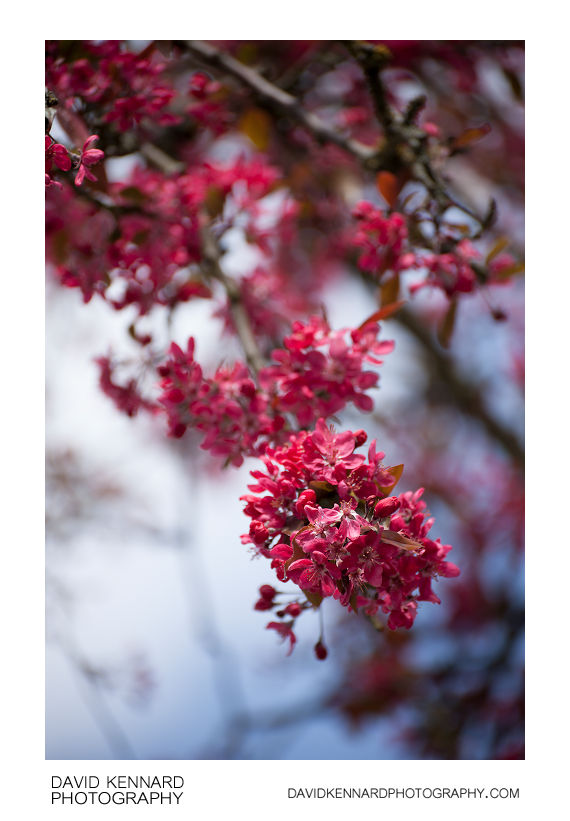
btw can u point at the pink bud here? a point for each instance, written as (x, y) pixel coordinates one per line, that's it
(307, 497)
(361, 436)
(321, 651)
(259, 534)
(386, 507)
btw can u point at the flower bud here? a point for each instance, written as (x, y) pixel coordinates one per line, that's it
(307, 497)
(361, 436)
(258, 533)
(385, 507)
(293, 609)
(321, 651)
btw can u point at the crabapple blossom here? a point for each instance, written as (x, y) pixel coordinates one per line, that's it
(323, 515)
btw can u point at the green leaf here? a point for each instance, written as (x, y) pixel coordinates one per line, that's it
(321, 486)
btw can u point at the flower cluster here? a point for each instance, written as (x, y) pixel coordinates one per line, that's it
(386, 247)
(383, 240)
(127, 87)
(138, 251)
(207, 106)
(318, 371)
(127, 398)
(241, 419)
(234, 415)
(325, 517)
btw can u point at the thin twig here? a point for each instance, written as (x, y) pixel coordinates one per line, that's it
(211, 261)
(276, 98)
(467, 395)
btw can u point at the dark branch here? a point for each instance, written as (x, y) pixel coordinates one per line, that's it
(211, 261)
(274, 97)
(466, 395)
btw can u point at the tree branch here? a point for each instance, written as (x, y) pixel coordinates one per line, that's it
(276, 98)
(211, 260)
(406, 143)
(466, 395)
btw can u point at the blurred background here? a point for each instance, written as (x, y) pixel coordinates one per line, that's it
(154, 650)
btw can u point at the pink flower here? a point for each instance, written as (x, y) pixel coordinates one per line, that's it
(55, 154)
(318, 371)
(89, 156)
(285, 630)
(336, 533)
(383, 240)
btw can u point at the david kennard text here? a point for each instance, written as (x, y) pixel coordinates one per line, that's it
(116, 789)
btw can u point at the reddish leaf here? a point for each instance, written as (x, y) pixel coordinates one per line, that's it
(383, 313)
(390, 291)
(471, 135)
(389, 186)
(395, 471)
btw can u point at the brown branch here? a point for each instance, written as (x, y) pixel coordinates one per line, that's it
(211, 261)
(160, 159)
(466, 395)
(276, 98)
(406, 143)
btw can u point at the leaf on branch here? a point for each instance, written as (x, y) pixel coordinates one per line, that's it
(256, 124)
(390, 291)
(396, 472)
(214, 201)
(60, 246)
(512, 270)
(314, 598)
(354, 601)
(469, 136)
(399, 540)
(499, 246)
(445, 330)
(383, 313)
(298, 552)
(389, 186)
(247, 53)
